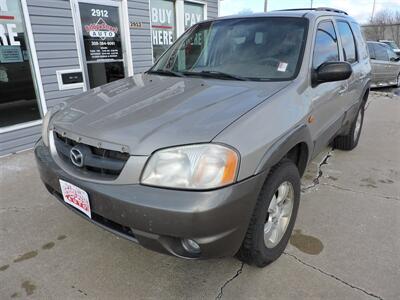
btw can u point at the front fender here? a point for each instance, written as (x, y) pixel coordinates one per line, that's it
(283, 145)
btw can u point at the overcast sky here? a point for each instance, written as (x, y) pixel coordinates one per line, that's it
(359, 9)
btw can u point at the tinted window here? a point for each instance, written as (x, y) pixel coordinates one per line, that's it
(326, 46)
(348, 44)
(381, 52)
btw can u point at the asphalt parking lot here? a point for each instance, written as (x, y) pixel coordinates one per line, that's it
(346, 242)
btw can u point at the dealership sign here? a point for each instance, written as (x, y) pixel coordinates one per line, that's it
(194, 13)
(162, 22)
(10, 46)
(101, 32)
(8, 26)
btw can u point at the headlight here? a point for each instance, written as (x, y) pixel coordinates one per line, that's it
(46, 122)
(204, 166)
(45, 127)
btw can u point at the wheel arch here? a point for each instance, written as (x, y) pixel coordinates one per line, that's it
(296, 146)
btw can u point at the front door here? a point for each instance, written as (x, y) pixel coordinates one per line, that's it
(102, 41)
(327, 97)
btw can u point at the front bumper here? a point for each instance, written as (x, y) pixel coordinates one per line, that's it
(159, 219)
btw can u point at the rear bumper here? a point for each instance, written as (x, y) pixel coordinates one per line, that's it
(159, 219)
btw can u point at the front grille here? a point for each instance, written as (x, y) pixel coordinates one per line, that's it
(105, 163)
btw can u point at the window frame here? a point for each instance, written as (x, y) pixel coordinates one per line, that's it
(354, 40)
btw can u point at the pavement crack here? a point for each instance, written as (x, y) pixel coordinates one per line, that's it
(360, 192)
(221, 290)
(316, 180)
(333, 276)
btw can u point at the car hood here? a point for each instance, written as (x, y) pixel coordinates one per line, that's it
(147, 112)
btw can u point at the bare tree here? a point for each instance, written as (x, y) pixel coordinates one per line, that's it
(384, 25)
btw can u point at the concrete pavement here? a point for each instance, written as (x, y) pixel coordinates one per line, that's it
(346, 242)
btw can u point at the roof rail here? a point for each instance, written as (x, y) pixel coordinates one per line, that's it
(318, 9)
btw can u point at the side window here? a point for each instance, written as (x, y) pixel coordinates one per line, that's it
(381, 52)
(391, 54)
(326, 45)
(371, 51)
(348, 43)
(360, 41)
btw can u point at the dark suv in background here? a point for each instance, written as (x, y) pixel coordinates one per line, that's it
(202, 155)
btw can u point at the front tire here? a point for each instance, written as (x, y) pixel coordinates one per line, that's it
(350, 141)
(274, 216)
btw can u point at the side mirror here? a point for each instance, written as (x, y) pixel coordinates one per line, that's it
(332, 71)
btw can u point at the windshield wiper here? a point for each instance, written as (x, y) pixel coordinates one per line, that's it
(217, 74)
(166, 72)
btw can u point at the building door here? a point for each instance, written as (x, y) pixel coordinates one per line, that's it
(102, 41)
(18, 97)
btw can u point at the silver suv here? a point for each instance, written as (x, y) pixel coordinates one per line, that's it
(202, 155)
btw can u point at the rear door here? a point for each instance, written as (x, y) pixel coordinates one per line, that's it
(394, 66)
(349, 53)
(382, 64)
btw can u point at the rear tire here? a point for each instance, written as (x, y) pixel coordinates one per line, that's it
(260, 246)
(350, 141)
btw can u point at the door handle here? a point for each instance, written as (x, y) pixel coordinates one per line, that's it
(362, 76)
(342, 90)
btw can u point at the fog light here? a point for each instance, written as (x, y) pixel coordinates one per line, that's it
(191, 246)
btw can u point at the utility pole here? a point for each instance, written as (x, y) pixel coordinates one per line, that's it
(265, 5)
(373, 11)
(312, 3)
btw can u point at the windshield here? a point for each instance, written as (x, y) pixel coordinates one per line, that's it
(267, 48)
(392, 45)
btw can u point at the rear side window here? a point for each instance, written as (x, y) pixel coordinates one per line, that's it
(326, 45)
(348, 43)
(381, 52)
(360, 41)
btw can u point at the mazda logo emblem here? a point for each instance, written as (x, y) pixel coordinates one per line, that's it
(76, 157)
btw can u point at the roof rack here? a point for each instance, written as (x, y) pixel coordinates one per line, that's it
(318, 9)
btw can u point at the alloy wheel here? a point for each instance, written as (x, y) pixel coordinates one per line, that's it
(279, 214)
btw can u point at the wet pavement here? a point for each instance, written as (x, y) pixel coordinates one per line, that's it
(345, 244)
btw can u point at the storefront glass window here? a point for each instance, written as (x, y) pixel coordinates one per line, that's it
(18, 101)
(194, 13)
(163, 25)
